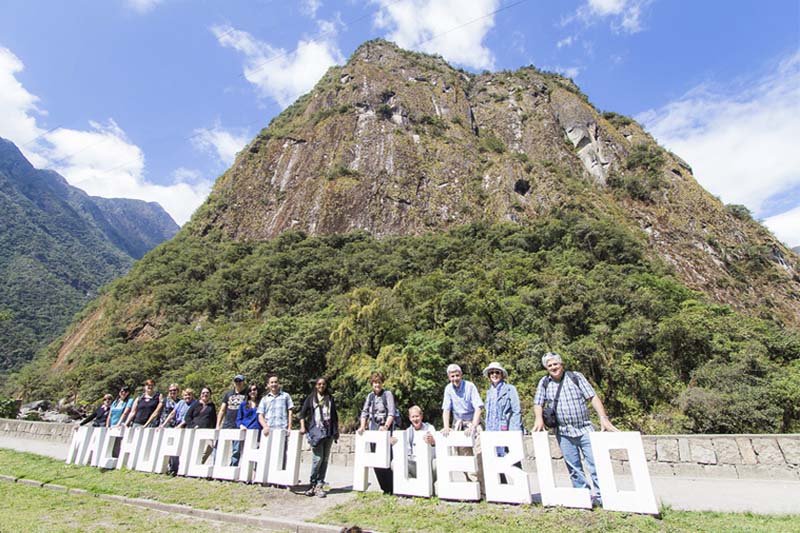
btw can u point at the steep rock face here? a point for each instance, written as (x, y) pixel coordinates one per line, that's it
(397, 142)
(58, 245)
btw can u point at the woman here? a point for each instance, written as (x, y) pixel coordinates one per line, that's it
(147, 407)
(202, 415)
(379, 412)
(170, 402)
(120, 408)
(319, 411)
(175, 419)
(247, 417)
(503, 412)
(177, 415)
(100, 416)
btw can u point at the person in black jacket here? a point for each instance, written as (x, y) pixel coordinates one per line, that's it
(100, 415)
(202, 415)
(319, 413)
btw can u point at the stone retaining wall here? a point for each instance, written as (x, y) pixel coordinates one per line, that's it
(698, 456)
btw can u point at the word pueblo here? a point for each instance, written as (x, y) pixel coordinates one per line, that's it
(372, 450)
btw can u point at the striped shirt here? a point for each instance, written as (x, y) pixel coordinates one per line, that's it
(275, 408)
(571, 412)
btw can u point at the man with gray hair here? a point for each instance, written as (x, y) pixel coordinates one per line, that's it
(461, 399)
(568, 398)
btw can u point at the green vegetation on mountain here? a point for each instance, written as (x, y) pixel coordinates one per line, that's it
(57, 247)
(403, 215)
(345, 305)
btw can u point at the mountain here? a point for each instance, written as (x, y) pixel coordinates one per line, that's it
(58, 246)
(405, 214)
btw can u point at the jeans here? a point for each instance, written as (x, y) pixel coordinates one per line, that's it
(319, 465)
(572, 447)
(236, 452)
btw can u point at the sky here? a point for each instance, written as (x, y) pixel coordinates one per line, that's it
(151, 99)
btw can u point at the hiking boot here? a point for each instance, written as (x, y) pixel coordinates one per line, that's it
(311, 491)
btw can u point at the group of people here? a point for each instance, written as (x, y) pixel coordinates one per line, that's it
(566, 393)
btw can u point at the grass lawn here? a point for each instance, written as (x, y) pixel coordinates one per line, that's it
(390, 514)
(198, 493)
(368, 510)
(29, 509)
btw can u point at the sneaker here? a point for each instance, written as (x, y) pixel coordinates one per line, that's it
(597, 501)
(321, 492)
(311, 491)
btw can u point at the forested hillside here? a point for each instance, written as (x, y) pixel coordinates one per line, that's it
(665, 359)
(58, 245)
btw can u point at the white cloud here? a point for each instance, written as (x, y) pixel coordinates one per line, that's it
(566, 41)
(18, 107)
(741, 140)
(279, 74)
(452, 28)
(310, 7)
(142, 6)
(101, 160)
(569, 72)
(186, 175)
(786, 226)
(221, 142)
(624, 15)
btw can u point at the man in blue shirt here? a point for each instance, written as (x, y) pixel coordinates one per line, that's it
(572, 417)
(462, 401)
(461, 398)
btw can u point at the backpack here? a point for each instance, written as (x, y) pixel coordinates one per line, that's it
(398, 421)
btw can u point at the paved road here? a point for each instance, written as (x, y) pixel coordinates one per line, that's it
(709, 494)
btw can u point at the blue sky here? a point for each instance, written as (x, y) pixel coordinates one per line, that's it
(151, 99)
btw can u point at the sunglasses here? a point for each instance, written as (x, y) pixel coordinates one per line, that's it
(173, 390)
(495, 372)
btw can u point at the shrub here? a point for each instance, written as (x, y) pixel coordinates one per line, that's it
(739, 211)
(646, 157)
(492, 143)
(8, 408)
(617, 120)
(385, 111)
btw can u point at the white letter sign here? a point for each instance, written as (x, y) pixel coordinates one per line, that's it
(447, 465)
(366, 458)
(552, 495)
(639, 500)
(422, 485)
(517, 488)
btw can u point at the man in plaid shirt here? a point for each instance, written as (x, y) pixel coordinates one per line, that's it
(275, 408)
(573, 419)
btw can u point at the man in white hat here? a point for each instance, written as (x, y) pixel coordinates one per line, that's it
(572, 418)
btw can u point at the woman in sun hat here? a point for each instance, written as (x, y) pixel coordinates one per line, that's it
(503, 411)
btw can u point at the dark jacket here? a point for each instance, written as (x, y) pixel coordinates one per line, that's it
(99, 416)
(197, 417)
(307, 413)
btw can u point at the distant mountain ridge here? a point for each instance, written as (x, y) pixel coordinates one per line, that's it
(58, 245)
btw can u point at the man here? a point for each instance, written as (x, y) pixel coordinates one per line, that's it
(461, 399)
(572, 416)
(226, 416)
(275, 408)
(413, 434)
